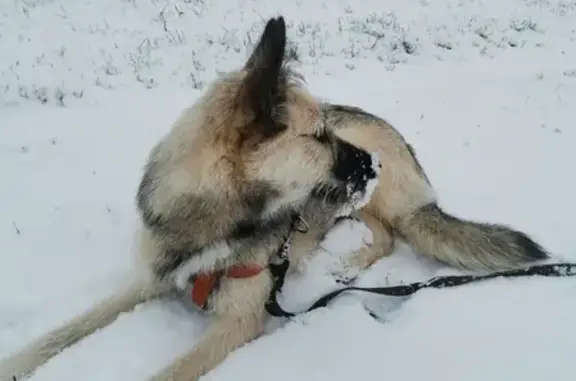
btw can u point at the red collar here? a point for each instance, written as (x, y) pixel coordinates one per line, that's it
(204, 283)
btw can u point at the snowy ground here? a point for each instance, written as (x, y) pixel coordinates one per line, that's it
(484, 90)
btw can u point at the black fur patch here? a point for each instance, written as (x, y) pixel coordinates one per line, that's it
(177, 224)
(353, 165)
(532, 249)
(323, 138)
(258, 195)
(252, 227)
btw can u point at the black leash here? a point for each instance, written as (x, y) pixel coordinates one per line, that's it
(280, 265)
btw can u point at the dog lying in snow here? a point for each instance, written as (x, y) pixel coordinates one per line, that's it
(220, 191)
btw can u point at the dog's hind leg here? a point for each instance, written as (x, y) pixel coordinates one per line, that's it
(239, 307)
(27, 359)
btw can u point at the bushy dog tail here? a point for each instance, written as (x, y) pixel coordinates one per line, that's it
(466, 244)
(25, 361)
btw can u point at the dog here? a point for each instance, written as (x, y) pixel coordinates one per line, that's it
(219, 194)
(221, 190)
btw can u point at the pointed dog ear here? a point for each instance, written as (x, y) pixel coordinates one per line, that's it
(271, 46)
(262, 89)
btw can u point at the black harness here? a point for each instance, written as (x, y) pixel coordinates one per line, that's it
(281, 262)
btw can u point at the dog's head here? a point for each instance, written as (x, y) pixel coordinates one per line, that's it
(280, 133)
(257, 143)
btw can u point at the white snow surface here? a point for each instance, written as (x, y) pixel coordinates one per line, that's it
(483, 89)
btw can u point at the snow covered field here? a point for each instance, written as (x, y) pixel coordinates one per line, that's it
(484, 91)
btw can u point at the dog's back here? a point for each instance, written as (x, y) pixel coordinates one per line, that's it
(405, 203)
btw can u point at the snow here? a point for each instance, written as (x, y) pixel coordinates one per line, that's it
(483, 90)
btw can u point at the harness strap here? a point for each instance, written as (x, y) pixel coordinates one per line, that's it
(244, 271)
(204, 283)
(545, 270)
